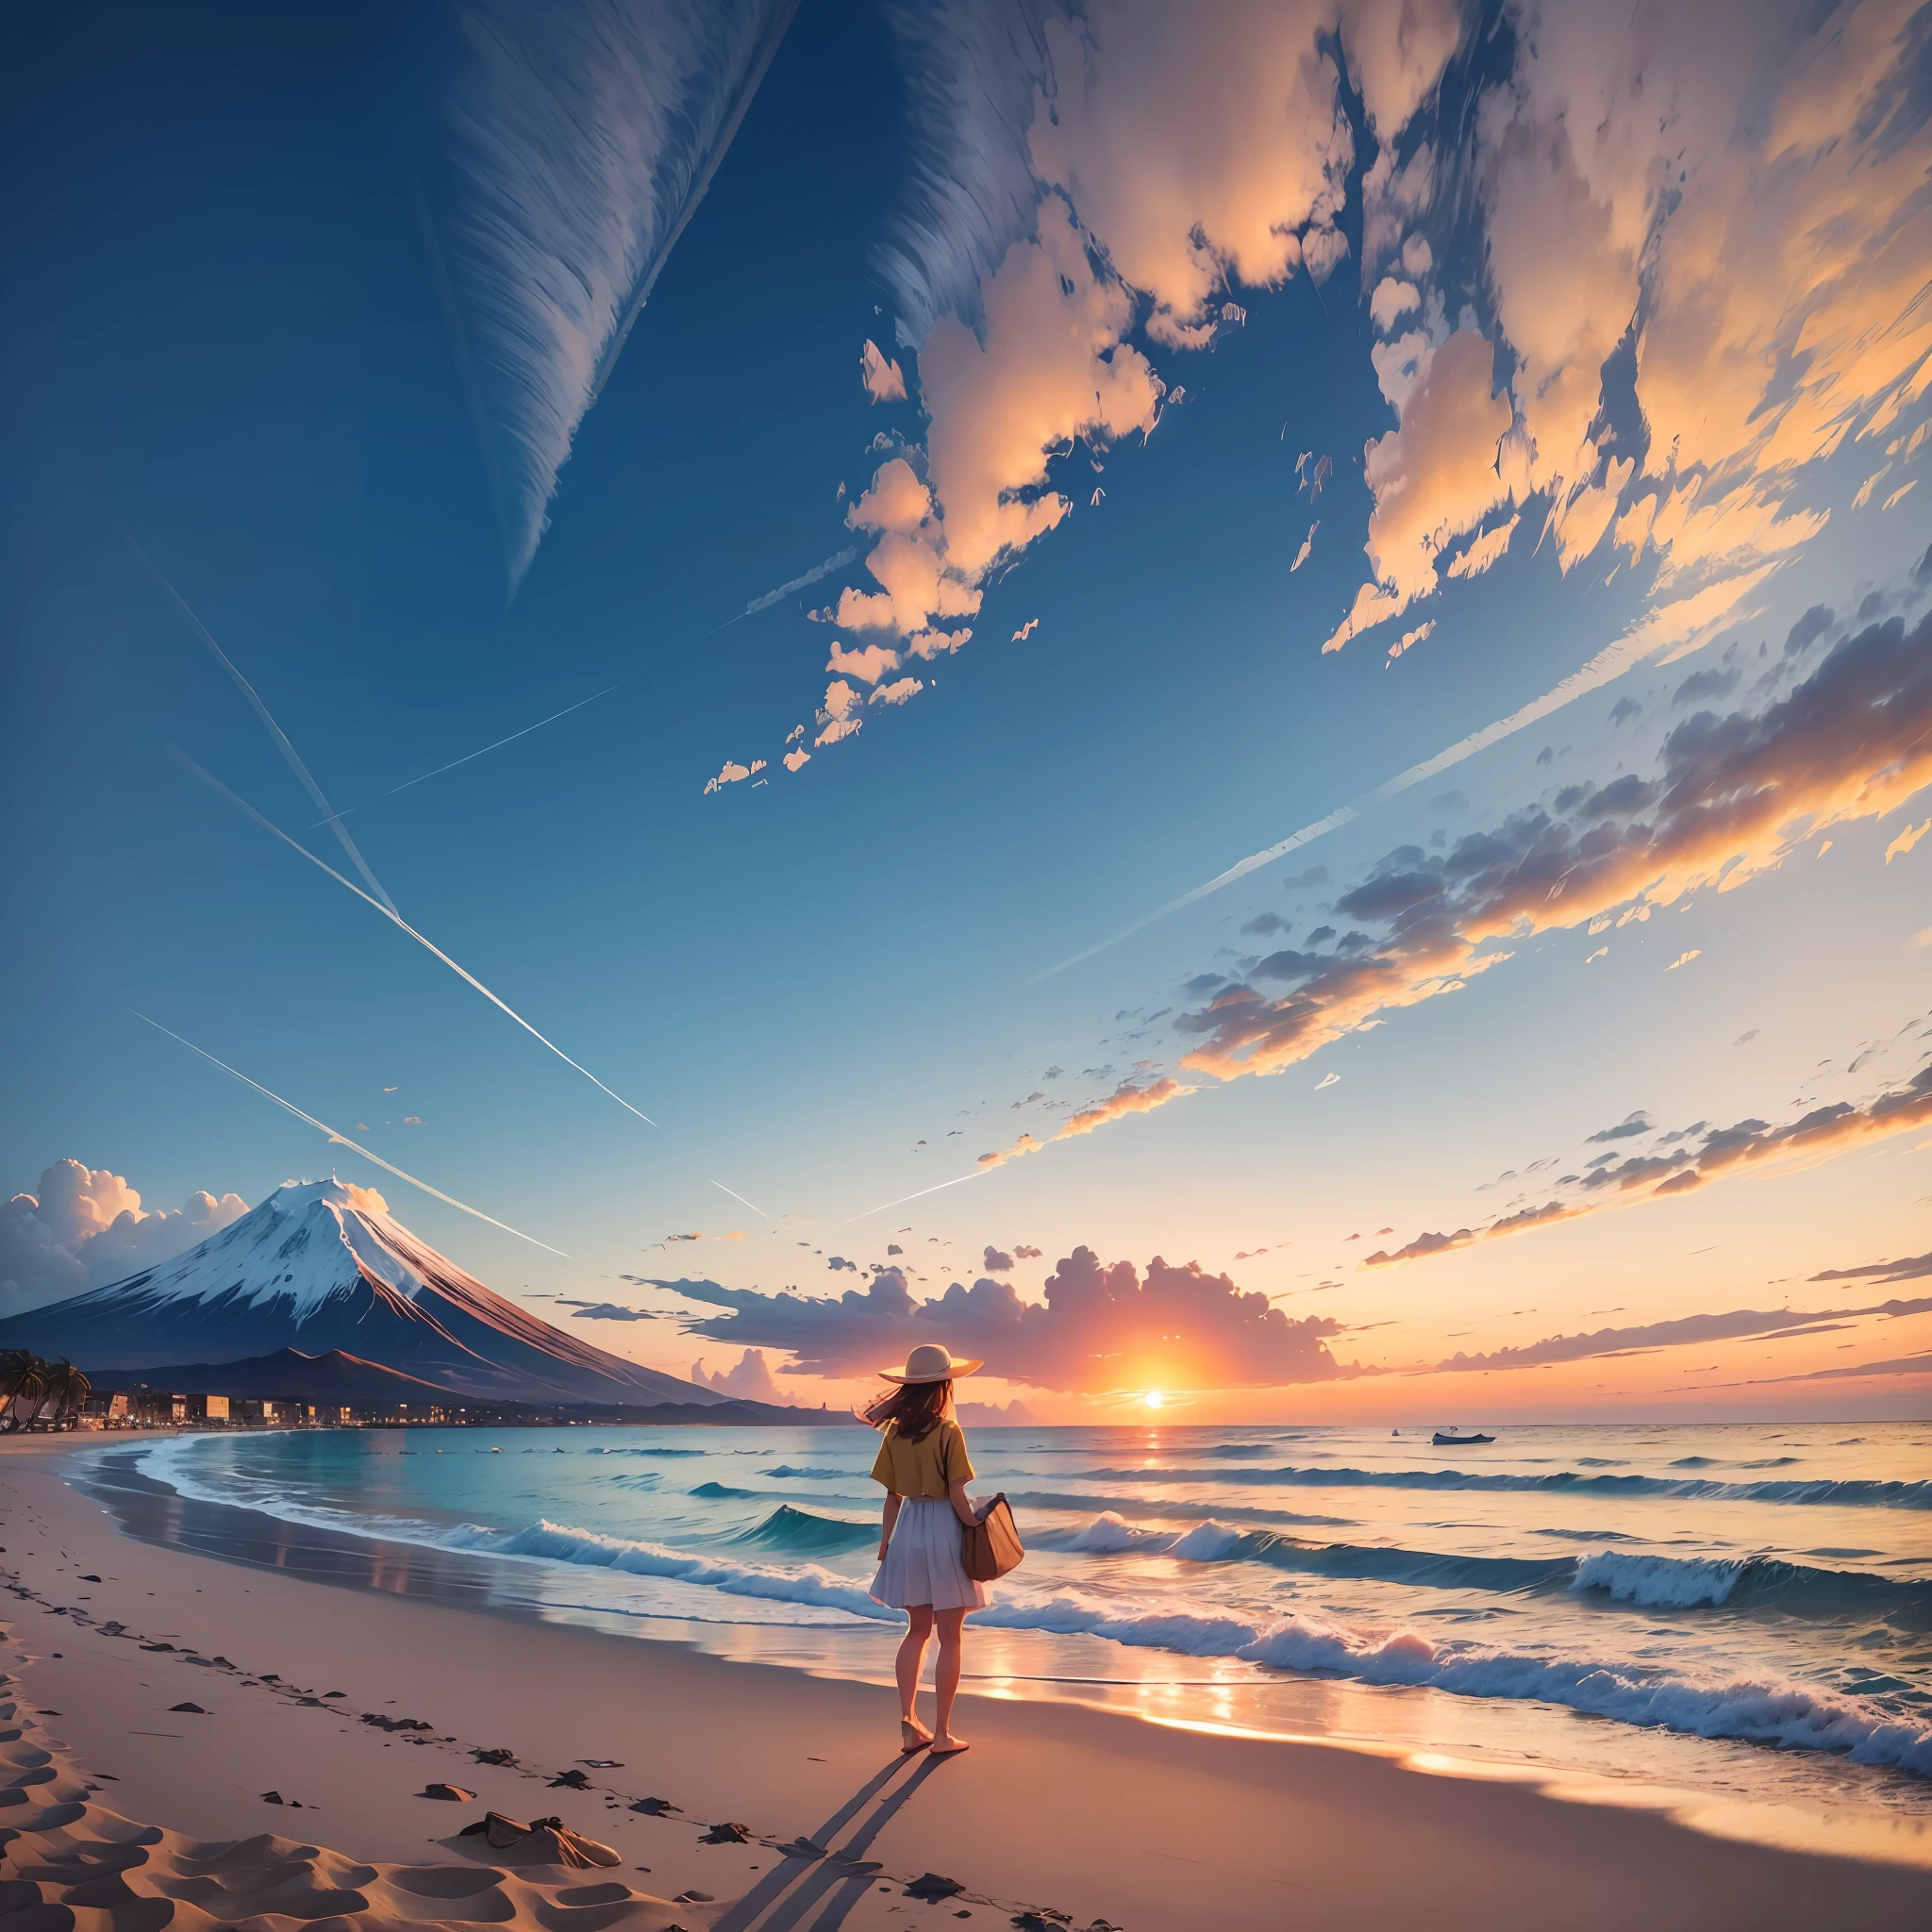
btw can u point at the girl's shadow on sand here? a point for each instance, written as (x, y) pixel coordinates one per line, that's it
(816, 1872)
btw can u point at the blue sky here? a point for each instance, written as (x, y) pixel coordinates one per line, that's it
(239, 359)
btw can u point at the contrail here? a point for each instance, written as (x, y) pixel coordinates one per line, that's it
(501, 741)
(1638, 643)
(771, 597)
(904, 1198)
(736, 1197)
(331, 818)
(390, 913)
(344, 1141)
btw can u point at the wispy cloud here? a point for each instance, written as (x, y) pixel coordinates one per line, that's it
(342, 1139)
(1732, 797)
(582, 136)
(838, 560)
(1126, 1099)
(293, 760)
(1714, 1154)
(396, 919)
(1692, 618)
(500, 743)
(1679, 1332)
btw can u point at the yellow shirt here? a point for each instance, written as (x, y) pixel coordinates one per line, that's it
(923, 1468)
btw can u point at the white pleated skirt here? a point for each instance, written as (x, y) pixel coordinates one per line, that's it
(922, 1563)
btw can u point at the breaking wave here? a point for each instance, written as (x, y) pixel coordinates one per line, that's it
(1842, 1492)
(1651, 1581)
(801, 1533)
(558, 1542)
(1767, 1709)
(1766, 1583)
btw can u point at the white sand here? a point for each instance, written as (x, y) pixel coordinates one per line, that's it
(1100, 1816)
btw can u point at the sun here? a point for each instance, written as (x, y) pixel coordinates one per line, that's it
(1154, 1399)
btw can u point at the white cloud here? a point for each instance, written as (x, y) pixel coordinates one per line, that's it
(793, 759)
(868, 665)
(1780, 278)
(1905, 841)
(1196, 142)
(1052, 367)
(750, 1377)
(1434, 476)
(883, 380)
(1487, 550)
(730, 774)
(1392, 301)
(897, 500)
(1301, 556)
(897, 693)
(86, 1228)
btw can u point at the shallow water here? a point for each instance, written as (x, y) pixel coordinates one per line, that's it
(1743, 1611)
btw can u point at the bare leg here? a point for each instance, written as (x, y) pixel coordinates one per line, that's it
(946, 1680)
(911, 1661)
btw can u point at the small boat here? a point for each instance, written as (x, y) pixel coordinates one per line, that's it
(1444, 1441)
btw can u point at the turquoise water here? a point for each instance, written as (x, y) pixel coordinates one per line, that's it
(1743, 1608)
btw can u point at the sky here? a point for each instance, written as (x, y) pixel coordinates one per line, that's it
(1232, 703)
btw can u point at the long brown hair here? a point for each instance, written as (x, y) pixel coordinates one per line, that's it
(918, 1407)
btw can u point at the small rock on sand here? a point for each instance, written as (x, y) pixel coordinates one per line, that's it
(194, 1708)
(449, 1793)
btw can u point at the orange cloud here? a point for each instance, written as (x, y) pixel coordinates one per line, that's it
(1125, 1100)
(1435, 478)
(1735, 796)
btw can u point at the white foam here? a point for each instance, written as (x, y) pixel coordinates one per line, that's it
(558, 1543)
(1111, 1534)
(1208, 1543)
(1766, 1709)
(1659, 1582)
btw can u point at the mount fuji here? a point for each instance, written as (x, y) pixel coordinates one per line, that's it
(318, 1268)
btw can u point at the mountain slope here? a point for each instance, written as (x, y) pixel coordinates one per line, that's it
(316, 1269)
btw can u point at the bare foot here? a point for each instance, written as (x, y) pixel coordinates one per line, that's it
(944, 1744)
(914, 1736)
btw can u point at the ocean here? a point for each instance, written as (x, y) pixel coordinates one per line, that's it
(1743, 1611)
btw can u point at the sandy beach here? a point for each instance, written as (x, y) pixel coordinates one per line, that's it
(1074, 1815)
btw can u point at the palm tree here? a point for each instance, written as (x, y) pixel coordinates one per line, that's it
(69, 1388)
(35, 1387)
(23, 1375)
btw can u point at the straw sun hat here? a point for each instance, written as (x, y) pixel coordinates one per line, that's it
(929, 1362)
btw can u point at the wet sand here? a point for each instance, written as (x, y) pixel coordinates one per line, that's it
(1057, 1810)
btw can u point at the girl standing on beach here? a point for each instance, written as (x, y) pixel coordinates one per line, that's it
(924, 1465)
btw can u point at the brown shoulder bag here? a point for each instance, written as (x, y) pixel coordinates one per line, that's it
(992, 1546)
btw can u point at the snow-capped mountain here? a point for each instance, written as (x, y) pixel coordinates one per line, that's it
(315, 1269)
